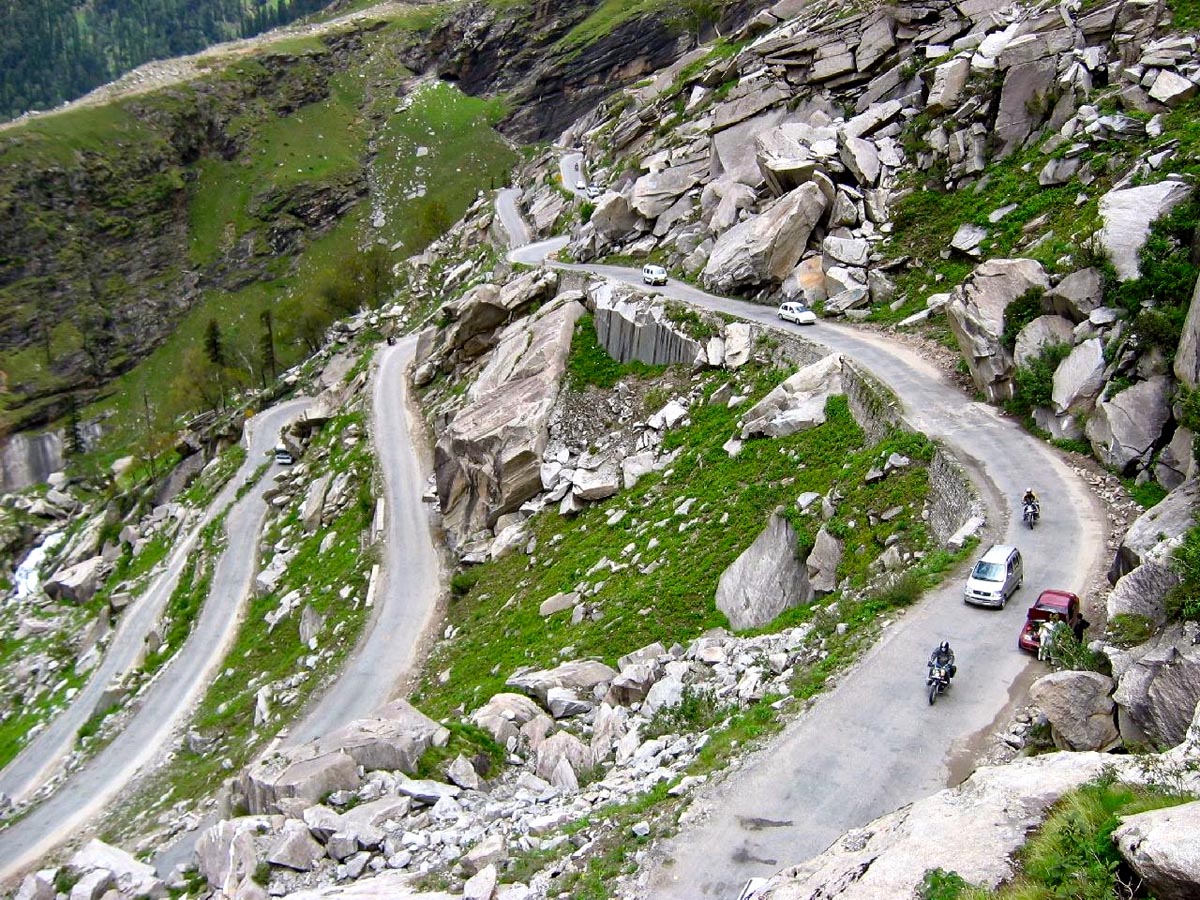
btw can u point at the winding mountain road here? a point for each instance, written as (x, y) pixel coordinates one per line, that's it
(175, 690)
(406, 596)
(872, 743)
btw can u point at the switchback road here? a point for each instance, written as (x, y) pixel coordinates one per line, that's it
(171, 696)
(872, 743)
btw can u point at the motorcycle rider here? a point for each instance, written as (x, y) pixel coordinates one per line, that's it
(942, 656)
(1030, 498)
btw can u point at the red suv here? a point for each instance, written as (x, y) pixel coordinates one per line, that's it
(1051, 603)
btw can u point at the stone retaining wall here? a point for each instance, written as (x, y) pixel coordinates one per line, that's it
(952, 497)
(629, 327)
(874, 407)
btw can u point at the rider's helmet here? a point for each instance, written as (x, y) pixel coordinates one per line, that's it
(944, 647)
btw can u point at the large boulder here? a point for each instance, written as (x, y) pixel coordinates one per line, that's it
(131, 877)
(975, 830)
(734, 197)
(766, 579)
(1079, 378)
(394, 739)
(798, 403)
(1157, 694)
(656, 192)
(823, 561)
(1079, 707)
(581, 676)
(1157, 531)
(613, 217)
(949, 80)
(295, 848)
(1042, 332)
(488, 461)
(485, 307)
(226, 852)
(1187, 357)
(631, 326)
(1128, 213)
(504, 714)
(561, 748)
(1021, 103)
(280, 777)
(976, 316)
(1143, 592)
(766, 247)
(79, 582)
(795, 153)
(1161, 846)
(1077, 294)
(1125, 430)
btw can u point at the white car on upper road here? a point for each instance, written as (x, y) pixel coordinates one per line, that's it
(795, 311)
(652, 274)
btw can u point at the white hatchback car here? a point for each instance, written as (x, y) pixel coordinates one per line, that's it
(795, 311)
(652, 274)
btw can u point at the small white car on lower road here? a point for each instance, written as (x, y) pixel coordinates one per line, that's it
(795, 311)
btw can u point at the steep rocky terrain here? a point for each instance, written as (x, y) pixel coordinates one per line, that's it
(625, 481)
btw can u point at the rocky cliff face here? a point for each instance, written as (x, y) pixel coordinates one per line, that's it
(1021, 179)
(527, 52)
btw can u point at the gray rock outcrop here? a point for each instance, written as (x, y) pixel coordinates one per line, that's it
(1187, 357)
(1160, 845)
(1042, 332)
(629, 326)
(393, 739)
(1128, 213)
(766, 579)
(78, 583)
(1143, 591)
(1125, 430)
(976, 316)
(1157, 694)
(1158, 530)
(488, 461)
(1080, 709)
(767, 247)
(796, 404)
(974, 830)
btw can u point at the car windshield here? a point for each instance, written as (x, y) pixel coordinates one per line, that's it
(988, 571)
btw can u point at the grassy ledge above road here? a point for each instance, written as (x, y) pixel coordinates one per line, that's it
(1072, 855)
(671, 561)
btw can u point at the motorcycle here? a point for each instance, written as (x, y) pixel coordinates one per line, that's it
(1030, 513)
(938, 681)
(391, 339)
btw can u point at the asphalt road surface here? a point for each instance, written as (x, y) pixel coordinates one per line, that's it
(873, 743)
(514, 224)
(407, 594)
(570, 167)
(174, 691)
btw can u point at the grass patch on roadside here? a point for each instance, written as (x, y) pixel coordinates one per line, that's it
(590, 365)
(1073, 854)
(665, 582)
(189, 595)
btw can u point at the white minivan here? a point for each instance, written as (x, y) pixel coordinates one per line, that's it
(652, 274)
(283, 455)
(995, 577)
